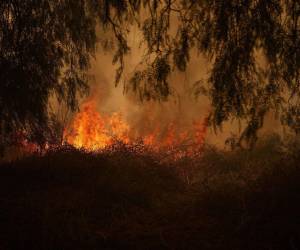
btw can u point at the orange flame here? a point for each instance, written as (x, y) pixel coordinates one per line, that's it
(92, 131)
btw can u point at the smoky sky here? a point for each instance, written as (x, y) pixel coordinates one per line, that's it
(181, 108)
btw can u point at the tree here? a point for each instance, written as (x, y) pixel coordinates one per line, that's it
(46, 45)
(234, 35)
(44, 50)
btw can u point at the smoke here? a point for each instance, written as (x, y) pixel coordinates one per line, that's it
(181, 109)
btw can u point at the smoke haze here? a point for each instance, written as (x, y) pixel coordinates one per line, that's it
(181, 109)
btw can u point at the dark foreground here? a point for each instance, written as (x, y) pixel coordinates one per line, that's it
(126, 200)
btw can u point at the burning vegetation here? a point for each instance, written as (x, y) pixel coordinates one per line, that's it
(92, 131)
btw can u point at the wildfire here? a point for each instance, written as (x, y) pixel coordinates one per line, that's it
(93, 131)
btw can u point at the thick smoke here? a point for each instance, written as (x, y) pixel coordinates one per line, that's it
(181, 109)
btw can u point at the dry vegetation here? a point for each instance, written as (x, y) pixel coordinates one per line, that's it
(127, 198)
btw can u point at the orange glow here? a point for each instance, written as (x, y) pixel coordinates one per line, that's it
(92, 131)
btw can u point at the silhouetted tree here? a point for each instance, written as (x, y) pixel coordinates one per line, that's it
(45, 47)
(236, 36)
(45, 51)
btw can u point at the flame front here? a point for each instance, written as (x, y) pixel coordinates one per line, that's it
(92, 131)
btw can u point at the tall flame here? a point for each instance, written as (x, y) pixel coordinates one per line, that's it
(92, 131)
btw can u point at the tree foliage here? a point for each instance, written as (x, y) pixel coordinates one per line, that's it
(45, 48)
(236, 36)
(45, 51)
